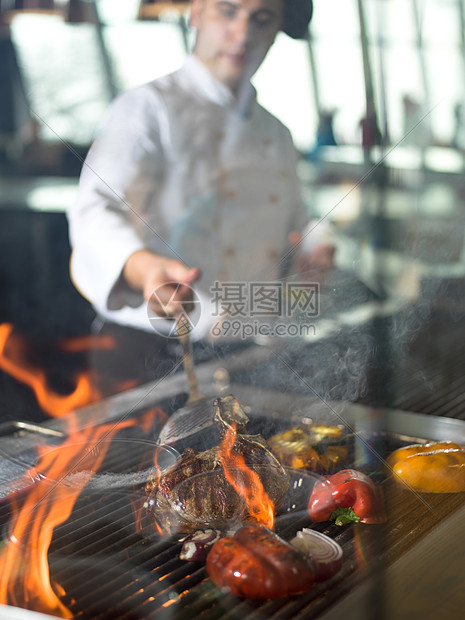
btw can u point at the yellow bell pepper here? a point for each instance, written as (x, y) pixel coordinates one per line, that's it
(430, 468)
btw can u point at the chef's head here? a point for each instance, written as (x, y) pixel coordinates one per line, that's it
(234, 36)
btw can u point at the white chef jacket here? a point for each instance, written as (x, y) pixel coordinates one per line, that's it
(183, 168)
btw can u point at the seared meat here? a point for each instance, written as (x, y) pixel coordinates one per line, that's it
(194, 493)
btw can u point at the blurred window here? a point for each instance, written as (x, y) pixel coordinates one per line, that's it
(415, 53)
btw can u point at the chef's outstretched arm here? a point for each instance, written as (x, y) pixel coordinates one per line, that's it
(164, 282)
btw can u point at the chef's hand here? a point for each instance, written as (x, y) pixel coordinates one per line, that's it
(165, 282)
(313, 263)
(321, 257)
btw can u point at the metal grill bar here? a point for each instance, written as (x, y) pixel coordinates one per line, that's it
(440, 393)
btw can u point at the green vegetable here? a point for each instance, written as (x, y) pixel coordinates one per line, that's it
(341, 516)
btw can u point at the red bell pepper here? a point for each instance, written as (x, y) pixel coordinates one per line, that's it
(347, 496)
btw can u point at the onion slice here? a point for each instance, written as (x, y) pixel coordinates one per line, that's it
(325, 552)
(197, 545)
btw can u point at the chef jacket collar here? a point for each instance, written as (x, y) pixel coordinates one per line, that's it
(202, 81)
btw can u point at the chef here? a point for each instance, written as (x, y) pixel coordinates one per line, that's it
(190, 183)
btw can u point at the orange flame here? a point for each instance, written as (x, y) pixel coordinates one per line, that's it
(84, 343)
(155, 524)
(25, 580)
(146, 420)
(146, 424)
(13, 360)
(245, 481)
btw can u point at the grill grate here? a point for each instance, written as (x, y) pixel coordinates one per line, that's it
(150, 574)
(438, 391)
(111, 570)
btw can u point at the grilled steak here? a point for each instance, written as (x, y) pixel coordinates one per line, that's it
(194, 493)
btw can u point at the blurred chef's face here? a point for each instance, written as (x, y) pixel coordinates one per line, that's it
(233, 36)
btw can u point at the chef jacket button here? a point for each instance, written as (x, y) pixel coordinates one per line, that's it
(229, 192)
(274, 198)
(273, 254)
(229, 251)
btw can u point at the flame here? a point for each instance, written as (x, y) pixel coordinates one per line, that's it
(13, 360)
(245, 481)
(25, 580)
(147, 419)
(146, 424)
(84, 343)
(37, 511)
